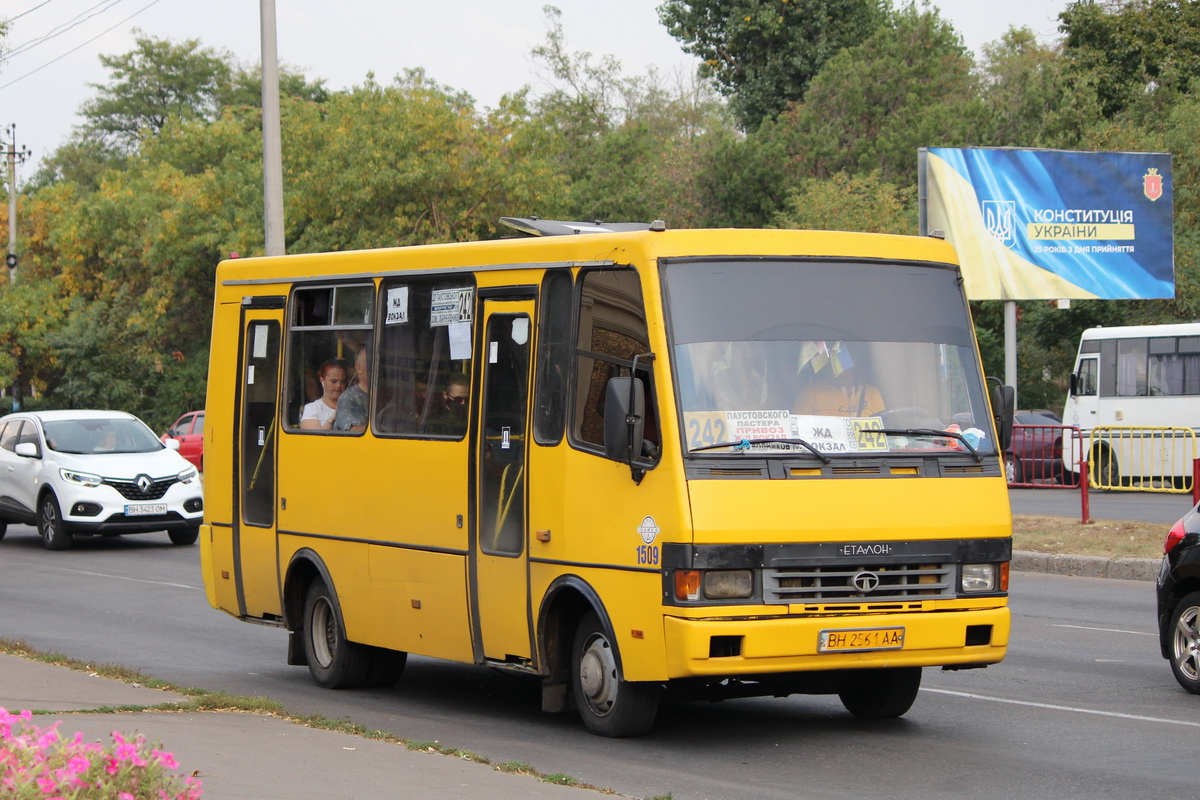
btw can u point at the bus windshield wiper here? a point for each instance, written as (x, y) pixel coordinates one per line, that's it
(928, 433)
(744, 445)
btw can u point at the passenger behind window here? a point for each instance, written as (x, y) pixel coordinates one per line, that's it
(321, 413)
(837, 390)
(449, 414)
(354, 404)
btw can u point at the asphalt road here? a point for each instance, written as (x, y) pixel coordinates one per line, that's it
(1140, 506)
(1084, 706)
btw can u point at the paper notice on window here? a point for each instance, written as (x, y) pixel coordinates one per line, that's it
(260, 341)
(397, 305)
(460, 341)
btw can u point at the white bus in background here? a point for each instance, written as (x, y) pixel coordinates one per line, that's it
(1135, 396)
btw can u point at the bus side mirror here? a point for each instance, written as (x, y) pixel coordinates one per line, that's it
(1003, 401)
(623, 420)
(1074, 383)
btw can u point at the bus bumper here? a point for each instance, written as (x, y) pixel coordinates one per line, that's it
(732, 647)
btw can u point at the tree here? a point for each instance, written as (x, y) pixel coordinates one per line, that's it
(910, 85)
(850, 203)
(1033, 97)
(631, 148)
(1141, 53)
(155, 82)
(763, 54)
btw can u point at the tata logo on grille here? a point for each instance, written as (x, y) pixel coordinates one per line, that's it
(865, 582)
(143, 483)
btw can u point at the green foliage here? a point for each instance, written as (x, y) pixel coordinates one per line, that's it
(762, 54)
(152, 84)
(1033, 97)
(872, 106)
(851, 203)
(1142, 54)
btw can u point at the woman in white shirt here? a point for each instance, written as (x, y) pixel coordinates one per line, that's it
(319, 415)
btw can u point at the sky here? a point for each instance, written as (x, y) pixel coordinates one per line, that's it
(479, 46)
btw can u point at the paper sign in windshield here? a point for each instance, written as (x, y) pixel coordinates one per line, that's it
(841, 434)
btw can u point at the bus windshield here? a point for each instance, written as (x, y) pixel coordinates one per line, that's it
(842, 357)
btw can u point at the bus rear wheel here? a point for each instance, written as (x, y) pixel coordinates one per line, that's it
(608, 705)
(333, 660)
(881, 693)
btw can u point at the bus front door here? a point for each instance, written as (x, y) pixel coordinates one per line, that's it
(499, 574)
(257, 422)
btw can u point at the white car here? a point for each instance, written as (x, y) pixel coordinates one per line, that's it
(94, 473)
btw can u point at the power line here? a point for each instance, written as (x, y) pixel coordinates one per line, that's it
(62, 28)
(30, 11)
(77, 47)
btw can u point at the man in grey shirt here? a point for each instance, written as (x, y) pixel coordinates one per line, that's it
(353, 405)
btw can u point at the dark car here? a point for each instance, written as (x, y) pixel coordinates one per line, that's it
(1035, 454)
(188, 430)
(1179, 601)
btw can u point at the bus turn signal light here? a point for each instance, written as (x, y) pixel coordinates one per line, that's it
(687, 584)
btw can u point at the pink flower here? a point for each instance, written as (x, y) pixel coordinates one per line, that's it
(164, 758)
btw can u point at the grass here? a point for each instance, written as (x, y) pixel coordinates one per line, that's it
(1067, 536)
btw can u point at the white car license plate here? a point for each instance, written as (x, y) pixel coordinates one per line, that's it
(850, 639)
(145, 509)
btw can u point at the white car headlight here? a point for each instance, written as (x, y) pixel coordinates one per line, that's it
(979, 577)
(188, 475)
(80, 478)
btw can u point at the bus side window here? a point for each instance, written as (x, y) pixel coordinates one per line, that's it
(553, 358)
(326, 322)
(420, 380)
(612, 330)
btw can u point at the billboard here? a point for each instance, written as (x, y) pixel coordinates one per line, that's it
(1045, 224)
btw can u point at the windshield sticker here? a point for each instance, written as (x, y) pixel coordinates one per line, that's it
(451, 305)
(841, 434)
(397, 306)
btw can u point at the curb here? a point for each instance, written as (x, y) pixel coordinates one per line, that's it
(1129, 569)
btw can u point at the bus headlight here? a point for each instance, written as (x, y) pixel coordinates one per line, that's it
(979, 577)
(728, 583)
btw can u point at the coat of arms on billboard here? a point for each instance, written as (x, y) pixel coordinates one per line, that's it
(1000, 219)
(1152, 185)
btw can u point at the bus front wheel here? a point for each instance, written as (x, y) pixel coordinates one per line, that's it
(1106, 474)
(334, 661)
(608, 705)
(881, 693)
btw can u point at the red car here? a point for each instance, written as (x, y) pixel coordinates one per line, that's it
(188, 430)
(1035, 454)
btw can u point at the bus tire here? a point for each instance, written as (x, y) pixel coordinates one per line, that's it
(386, 666)
(1185, 642)
(1106, 473)
(333, 660)
(3, 528)
(608, 705)
(881, 693)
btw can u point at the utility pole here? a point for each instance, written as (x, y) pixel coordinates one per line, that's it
(14, 155)
(272, 151)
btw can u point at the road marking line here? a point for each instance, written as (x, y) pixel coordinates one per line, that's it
(1105, 630)
(1052, 707)
(134, 580)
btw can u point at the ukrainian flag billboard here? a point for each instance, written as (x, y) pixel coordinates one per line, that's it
(1047, 224)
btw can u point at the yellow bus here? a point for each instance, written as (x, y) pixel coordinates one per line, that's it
(624, 459)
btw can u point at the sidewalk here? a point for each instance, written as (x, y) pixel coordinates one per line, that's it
(242, 756)
(1130, 569)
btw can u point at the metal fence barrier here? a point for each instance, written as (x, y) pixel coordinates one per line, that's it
(1142, 459)
(1035, 458)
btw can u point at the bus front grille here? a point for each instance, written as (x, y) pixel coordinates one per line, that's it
(858, 584)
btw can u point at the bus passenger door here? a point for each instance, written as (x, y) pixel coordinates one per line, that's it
(257, 573)
(499, 575)
(1083, 402)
